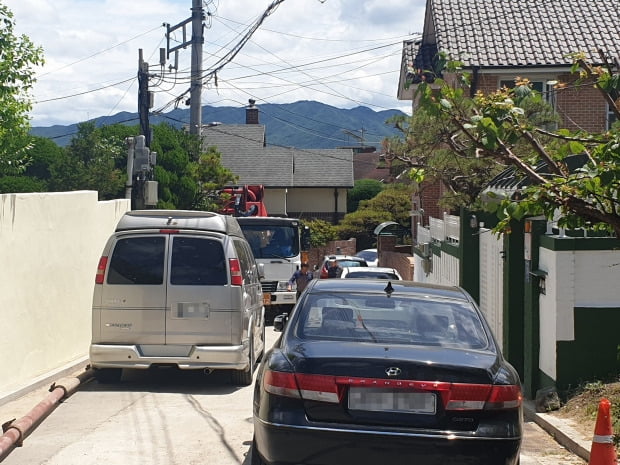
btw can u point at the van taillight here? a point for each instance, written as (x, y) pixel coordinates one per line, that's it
(236, 279)
(100, 276)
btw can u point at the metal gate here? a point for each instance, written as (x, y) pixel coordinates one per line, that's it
(492, 281)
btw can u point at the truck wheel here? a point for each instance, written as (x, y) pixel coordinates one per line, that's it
(108, 375)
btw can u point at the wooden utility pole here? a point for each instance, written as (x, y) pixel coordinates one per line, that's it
(144, 98)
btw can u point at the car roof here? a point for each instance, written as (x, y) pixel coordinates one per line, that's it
(343, 257)
(366, 269)
(378, 286)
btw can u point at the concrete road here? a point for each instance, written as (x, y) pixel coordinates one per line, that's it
(169, 418)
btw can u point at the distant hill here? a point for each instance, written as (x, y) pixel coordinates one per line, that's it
(303, 124)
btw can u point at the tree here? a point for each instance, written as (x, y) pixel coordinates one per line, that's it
(428, 146)
(363, 189)
(188, 178)
(496, 128)
(93, 160)
(321, 232)
(18, 57)
(391, 204)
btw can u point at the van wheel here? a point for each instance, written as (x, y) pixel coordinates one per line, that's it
(108, 375)
(244, 377)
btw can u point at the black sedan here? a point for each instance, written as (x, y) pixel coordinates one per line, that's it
(368, 372)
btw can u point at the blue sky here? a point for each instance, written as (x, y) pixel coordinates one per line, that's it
(343, 53)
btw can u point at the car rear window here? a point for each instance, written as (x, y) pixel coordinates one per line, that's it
(372, 274)
(349, 263)
(197, 262)
(137, 260)
(390, 320)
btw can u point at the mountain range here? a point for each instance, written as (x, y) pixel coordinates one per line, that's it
(303, 124)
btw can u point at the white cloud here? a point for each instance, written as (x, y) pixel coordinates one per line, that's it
(342, 52)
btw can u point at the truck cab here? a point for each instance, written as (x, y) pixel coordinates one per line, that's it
(277, 244)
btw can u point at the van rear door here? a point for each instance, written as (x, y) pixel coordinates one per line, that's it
(134, 295)
(199, 297)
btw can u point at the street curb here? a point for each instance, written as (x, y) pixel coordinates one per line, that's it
(45, 380)
(560, 430)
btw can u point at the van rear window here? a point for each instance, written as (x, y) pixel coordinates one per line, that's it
(137, 260)
(197, 262)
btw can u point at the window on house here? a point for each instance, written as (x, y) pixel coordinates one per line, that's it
(546, 88)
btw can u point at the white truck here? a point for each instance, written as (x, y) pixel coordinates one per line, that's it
(277, 243)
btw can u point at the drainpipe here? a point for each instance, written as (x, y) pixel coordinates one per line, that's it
(335, 218)
(15, 431)
(474, 82)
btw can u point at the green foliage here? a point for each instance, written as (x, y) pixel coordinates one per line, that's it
(321, 232)
(42, 154)
(92, 161)
(360, 224)
(18, 57)
(396, 199)
(391, 204)
(363, 189)
(14, 184)
(188, 179)
(511, 127)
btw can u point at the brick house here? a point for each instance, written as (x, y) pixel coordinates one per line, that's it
(498, 41)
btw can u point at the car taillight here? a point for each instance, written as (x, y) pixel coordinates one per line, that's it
(455, 396)
(236, 279)
(482, 397)
(321, 388)
(100, 276)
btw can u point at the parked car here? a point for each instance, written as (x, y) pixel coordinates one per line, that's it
(177, 288)
(372, 272)
(370, 255)
(369, 371)
(343, 261)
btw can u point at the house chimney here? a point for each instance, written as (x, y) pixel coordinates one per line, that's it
(251, 113)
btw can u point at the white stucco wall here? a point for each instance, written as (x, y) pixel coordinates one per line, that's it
(283, 201)
(50, 244)
(583, 278)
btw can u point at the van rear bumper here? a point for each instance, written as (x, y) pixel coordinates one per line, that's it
(192, 358)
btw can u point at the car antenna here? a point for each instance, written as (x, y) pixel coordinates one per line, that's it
(389, 289)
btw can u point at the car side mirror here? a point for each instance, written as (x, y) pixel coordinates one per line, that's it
(279, 322)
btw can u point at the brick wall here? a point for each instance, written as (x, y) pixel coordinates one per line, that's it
(316, 254)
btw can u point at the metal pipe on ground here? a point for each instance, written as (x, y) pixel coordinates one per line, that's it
(15, 431)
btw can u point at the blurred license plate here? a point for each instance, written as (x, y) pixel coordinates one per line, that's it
(391, 400)
(266, 298)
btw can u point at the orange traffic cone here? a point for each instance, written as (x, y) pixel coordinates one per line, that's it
(603, 451)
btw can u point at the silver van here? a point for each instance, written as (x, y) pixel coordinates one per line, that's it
(177, 288)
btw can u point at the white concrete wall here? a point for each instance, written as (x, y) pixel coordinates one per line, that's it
(598, 275)
(275, 201)
(316, 200)
(283, 201)
(50, 244)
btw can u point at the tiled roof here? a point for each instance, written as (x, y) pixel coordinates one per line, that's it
(272, 166)
(499, 33)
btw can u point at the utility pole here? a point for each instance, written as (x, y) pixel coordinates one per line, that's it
(195, 118)
(144, 98)
(196, 41)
